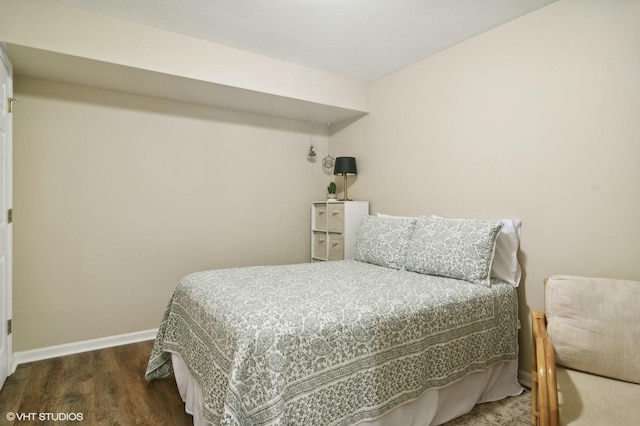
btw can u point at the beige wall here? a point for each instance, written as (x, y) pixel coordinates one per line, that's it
(118, 196)
(539, 120)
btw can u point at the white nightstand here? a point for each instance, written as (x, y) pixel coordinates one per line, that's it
(334, 225)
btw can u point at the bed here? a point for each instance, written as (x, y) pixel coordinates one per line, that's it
(416, 329)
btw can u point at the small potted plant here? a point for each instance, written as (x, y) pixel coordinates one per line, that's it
(332, 191)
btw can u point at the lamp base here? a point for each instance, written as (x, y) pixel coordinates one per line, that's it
(346, 194)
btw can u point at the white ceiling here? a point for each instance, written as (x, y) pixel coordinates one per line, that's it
(364, 39)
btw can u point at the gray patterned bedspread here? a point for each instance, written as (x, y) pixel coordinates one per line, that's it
(328, 343)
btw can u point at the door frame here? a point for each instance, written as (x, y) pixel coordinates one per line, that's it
(8, 195)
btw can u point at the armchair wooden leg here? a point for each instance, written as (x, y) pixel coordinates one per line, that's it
(534, 385)
(544, 392)
(539, 387)
(534, 398)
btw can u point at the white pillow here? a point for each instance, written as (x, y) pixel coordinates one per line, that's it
(505, 261)
(397, 217)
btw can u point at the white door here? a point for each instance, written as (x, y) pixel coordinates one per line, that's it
(6, 200)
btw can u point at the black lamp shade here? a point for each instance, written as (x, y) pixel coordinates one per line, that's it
(345, 166)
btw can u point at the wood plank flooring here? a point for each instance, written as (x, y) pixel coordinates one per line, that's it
(108, 388)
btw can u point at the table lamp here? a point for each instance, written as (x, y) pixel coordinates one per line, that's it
(345, 166)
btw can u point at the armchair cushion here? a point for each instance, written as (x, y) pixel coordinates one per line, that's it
(593, 324)
(587, 399)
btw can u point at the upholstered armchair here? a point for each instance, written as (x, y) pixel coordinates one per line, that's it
(586, 353)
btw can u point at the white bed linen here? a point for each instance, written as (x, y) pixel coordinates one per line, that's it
(434, 407)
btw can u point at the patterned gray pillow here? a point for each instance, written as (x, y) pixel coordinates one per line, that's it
(383, 240)
(454, 248)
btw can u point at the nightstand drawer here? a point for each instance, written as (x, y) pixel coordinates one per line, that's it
(336, 246)
(321, 217)
(320, 245)
(335, 216)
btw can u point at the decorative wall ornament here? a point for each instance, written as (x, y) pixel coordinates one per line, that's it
(328, 161)
(311, 154)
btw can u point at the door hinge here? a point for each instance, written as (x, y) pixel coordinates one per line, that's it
(9, 326)
(11, 101)
(10, 216)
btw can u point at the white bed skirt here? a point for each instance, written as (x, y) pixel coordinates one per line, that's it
(434, 407)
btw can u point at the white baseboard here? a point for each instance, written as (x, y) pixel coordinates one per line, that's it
(24, 357)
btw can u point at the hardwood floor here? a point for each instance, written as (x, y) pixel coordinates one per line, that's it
(106, 386)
